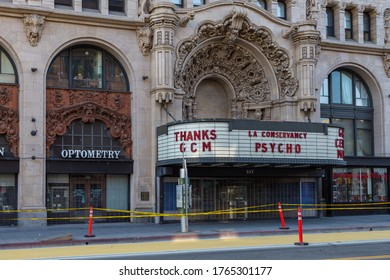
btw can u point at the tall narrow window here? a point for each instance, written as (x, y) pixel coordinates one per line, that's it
(348, 24)
(281, 10)
(345, 100)
(366, 27)
(116, 6)
(91, 4)
(329, 22)
(261, 3)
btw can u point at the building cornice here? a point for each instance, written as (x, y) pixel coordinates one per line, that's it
(72, 17)
(355, 48)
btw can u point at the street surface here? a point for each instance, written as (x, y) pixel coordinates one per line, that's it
(364, 244)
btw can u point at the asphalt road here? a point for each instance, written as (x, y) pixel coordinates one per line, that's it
(331, 251)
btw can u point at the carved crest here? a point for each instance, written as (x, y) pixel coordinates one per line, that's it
(144, 37)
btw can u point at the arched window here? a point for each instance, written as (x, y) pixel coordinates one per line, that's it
(7, 69)
(87, 67)
(346, 100)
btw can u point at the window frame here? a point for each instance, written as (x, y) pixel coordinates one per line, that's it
(366, 27)
(64, 75)
(348, 24)
(5, 54)
(281, 9)
(330, 28)
(338, 111)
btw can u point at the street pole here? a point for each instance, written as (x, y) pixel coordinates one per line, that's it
(184, 209)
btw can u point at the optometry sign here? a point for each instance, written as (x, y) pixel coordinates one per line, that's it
(252, 142)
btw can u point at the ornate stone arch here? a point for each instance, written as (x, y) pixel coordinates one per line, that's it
(214, 50)
(64, 107)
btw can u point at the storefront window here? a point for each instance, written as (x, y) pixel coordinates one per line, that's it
(7, 192)
(352, 185)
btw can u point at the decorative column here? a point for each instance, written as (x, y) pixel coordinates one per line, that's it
(306, 40)
(163, 22)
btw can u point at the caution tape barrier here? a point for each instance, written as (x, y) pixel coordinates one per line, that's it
(127, 214)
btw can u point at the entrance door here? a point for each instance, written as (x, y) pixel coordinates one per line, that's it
(232, 200)
(86, 191)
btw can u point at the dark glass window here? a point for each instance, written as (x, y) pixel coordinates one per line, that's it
(63, 2)
(330, 22)
(366, 26)
(116, 6)
(7, 69)
(261, 3)
(197, 3)
(86, 67)
(91, 4)
(348, 24)
(281, 11)
(178, 3)
(345, 100)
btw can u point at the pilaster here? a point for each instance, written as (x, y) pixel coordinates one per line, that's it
(306, 40)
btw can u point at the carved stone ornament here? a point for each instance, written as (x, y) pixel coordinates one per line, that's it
(386, 20)
(66, 106)
(9, 118)
(33, 26)
(144, 38)
(233, 62)
(386, 64)
(186, 19)
(312, 9)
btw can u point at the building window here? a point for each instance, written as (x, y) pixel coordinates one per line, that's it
(281, 10)
(359, 185)
(345, 100)
(116, 6)
(330, 22)
(348, 24)
(67, 3)
(86, 67)
(91, 4)
(197, 3)
(7, 69)
(366, 27)
(178, 3)
(261, 3)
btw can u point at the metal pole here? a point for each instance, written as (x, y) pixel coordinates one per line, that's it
(184, 217)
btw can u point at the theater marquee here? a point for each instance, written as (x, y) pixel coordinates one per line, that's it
(245, 141)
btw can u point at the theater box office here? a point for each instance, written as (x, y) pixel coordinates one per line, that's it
(246, 165)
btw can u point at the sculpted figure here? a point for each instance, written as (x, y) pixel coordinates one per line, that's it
(33, 26)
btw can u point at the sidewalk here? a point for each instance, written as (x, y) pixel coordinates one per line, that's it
(75, 234)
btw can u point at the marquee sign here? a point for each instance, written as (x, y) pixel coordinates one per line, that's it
(251, 142)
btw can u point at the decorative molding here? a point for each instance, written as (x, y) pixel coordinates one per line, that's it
(33, 26)
(66, 106)
(386, 20)
(386, 64)
(194, 63)
(9, 117)
(144, 38)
